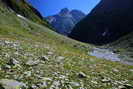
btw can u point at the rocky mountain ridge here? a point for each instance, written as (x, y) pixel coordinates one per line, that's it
(65, 20)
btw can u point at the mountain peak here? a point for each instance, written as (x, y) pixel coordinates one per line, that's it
(64, 11)
(65, 20)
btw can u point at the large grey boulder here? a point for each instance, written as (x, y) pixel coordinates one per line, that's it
(11, 84)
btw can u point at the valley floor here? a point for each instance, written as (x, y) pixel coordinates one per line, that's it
(108, 54)
(37, 65)
(34, 57)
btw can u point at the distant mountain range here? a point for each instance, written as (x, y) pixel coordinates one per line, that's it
(65, 20)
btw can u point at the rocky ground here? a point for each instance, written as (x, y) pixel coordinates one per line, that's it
(39, 66)
(34, 57)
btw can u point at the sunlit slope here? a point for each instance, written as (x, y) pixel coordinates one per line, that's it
(42, 59)
(26, 10)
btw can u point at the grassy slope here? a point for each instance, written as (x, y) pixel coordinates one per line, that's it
(35, 41)
(124, 47)
(27, 11)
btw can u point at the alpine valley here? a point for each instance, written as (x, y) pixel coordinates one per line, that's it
(34, 56)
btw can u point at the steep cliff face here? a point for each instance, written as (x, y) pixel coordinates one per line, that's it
(107, 22)
(65, 20)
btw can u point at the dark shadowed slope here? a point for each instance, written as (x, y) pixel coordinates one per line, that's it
(107, 22)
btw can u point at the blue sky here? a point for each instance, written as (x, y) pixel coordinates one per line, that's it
(51, 7)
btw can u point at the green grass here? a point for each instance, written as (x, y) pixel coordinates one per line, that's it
(35, 40)
(124, 47)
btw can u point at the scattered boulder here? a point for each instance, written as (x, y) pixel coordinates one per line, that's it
(60, 58)
(42, 85)
(50, 53)
(46, 79)
(128, 86)
(55, 84)
(13, 61)
(33, 87)
(27, 73)
(82, 75)
(6, 67)
(11, 84)
(115, 70)
(106, 80)
(44, 58)
(131, 70)
(74, 84)
(32, 62)
(94, 82)
(121, 87)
